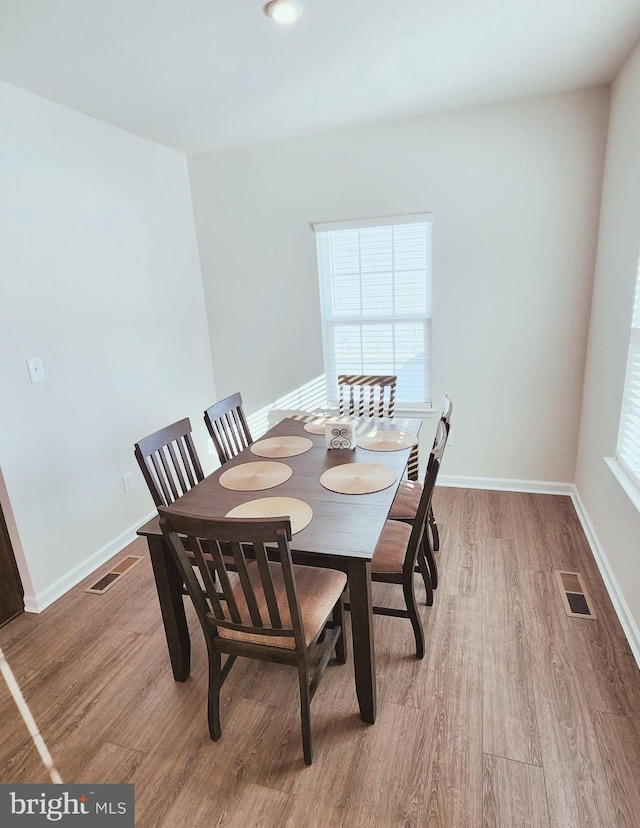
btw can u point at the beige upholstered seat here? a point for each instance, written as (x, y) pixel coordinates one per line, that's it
(316, 590)
(405, 503)
(391, 548)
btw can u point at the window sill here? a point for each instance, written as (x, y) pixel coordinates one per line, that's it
(401, 409)
(276, 414)
(415, 411)
(630, 488)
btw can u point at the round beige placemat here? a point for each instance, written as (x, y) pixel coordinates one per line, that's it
(252, 477)
(298, 512)
(358, 478)
(281, 446)
(317, 425)
(386, 440)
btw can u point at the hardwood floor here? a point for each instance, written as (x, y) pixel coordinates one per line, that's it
(517, 716)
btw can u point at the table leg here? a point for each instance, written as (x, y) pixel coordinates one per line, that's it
(169, 586)
(364, 659)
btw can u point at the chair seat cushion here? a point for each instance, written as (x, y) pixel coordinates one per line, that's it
(391, 549)
(318, 591)
(405, 503)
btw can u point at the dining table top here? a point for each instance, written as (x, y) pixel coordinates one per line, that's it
(341, 525)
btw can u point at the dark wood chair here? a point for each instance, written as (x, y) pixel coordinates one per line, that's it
(399, 550)
(169, 462)
(405, 507)
(228, 427)
(270, 610)
(371, 395)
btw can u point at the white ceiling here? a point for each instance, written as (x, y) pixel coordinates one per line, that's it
(197, 75)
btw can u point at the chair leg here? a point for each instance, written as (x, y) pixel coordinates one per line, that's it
(424, 571)
(412, 609)
(338, 615)
(431, 561)
(213, 704)
(435, 535)
(305, 710)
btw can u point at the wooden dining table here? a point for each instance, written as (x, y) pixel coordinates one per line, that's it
(342, 534)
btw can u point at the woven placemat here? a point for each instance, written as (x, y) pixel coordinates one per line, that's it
(298, 512)
(358, 478)
(252, 477)
(281, 446)
(386, 440)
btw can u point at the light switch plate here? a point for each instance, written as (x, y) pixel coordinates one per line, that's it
(36, 371)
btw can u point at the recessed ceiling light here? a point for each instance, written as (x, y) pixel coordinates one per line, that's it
(282, 11)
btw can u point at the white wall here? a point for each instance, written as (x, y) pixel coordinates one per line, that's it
(514, 191)
(100, 277)
(615, 520)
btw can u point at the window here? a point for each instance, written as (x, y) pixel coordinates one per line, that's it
(628, 454)
(375, 302)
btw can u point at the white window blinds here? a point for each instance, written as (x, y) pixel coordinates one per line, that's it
(375, 300)
(628, 454)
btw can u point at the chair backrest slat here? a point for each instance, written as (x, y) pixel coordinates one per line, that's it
(290, 587)
(169, 474)
(225, 584)
(184, 449)
(233, 431)
(223, 438)
(247, 587)
(371, 395)
(267, 581)
(177, 474)
(164, 480)
(253, 605)
(229, 435)
(228, 427)
(205, 574)
(200, 598)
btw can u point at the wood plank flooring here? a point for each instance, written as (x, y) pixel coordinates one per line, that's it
(516, 716)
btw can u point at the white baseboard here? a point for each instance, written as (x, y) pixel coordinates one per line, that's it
(504, 484)
(629, 625)
(41, 600)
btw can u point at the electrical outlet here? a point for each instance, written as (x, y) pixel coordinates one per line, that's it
(36, 371)
(127, 482)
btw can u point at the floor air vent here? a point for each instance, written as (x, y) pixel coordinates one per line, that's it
(114, 574)
(577, 603)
